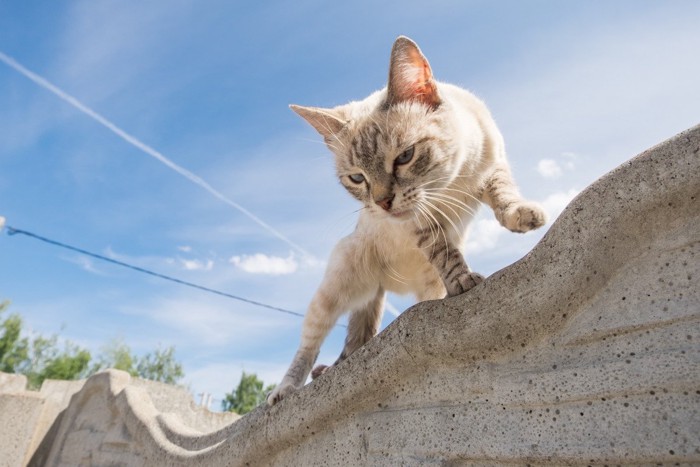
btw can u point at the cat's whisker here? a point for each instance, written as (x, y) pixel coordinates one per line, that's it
(439, 211)
(451, 200)
(422, 210)
(439, 226)
(309, 140)
(390, 271)
(454, 199)
(441, 191)
(465, 193)
(435, 180)
(456, 230)
(448, 204)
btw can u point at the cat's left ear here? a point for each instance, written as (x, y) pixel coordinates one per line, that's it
(326, 121)
(410, 76)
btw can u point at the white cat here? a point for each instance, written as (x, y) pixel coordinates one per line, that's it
(421, 156)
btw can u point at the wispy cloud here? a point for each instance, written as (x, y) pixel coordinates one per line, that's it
(549, 168)
(46, 84)
(260, 263)
(484, 235)
(553, 168)
(86, 264)
(211, 322)
(555, 203)
(197, 265)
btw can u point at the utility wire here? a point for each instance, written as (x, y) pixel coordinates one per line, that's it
(14, 231)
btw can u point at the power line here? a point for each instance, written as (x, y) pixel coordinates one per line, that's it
(15, 231)
(61, 94)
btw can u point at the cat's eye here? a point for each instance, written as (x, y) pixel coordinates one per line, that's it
(405, 156)
(357, 178)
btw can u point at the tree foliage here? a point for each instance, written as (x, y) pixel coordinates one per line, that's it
(248, 395)
(41, 358)
(160, 365)
(13, 349)
(116, 354)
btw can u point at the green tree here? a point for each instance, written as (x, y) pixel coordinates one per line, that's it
(116, 354)
(13, 349)
(42, 358)
(45, 360)
(248, 395)
(160, 365)
(66, 365)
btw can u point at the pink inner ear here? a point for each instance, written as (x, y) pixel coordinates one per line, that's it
(416, 80)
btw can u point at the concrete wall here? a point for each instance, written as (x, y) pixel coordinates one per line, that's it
(31, 421)
(586, 351)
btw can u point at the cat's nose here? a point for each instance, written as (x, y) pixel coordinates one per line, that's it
(385, 203)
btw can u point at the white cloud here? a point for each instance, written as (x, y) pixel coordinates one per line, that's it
(555, 203)
(197, 265)
(185, 248)
(484, 235)
(549, 168)
(260, 263)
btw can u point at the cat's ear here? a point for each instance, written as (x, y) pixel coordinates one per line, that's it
(410, 76)
(327, 122)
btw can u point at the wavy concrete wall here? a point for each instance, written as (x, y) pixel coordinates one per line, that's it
(586, 351)
(31, 421)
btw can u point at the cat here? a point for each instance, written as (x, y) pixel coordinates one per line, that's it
(420, 156)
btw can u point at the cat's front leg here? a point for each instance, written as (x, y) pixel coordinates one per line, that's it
(448, 260)
(295, 377)
(511, 209)
(320, 318)
(345, 285)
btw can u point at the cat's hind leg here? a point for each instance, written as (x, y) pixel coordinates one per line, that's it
(363, 325)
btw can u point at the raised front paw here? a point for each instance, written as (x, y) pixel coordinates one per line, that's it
(463, 282)
(280, 392)
(523, 217)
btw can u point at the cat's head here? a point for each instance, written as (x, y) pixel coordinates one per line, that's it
(395, 149)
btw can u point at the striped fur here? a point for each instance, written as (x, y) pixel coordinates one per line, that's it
(421, 156)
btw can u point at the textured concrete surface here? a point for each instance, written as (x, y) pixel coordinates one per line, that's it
(12, 383)
(586, 351)
(19, 414)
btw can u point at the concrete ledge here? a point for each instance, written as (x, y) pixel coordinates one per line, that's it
(586, 351)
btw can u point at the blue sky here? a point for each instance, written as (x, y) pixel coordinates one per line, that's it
(576, 88)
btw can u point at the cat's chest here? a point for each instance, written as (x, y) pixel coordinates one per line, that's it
(401, 266)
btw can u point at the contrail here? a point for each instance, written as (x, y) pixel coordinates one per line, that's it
(391, 308)
(44, 83)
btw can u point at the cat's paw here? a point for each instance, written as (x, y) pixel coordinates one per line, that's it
(319, 370)
(280, 392)
(523, 217)
(464, 282)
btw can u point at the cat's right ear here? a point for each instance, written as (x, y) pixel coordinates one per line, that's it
(410, 76)
(326, 122)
